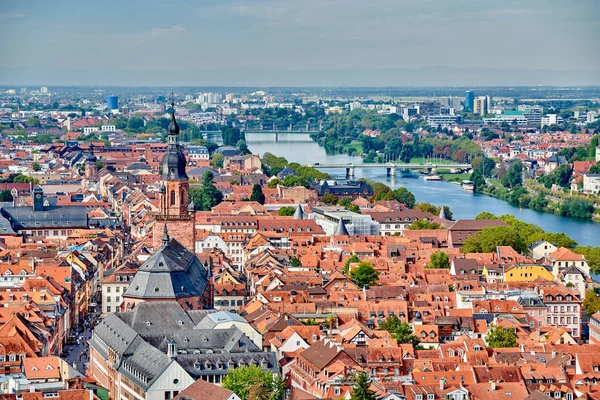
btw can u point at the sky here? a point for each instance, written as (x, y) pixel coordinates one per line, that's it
(300, 42)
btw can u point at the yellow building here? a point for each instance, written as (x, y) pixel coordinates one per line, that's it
(527, 273)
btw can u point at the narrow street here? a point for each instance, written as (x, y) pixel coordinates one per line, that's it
(77, 354)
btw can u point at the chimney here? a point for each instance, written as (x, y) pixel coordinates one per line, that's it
(522, 348)
(553, 353)
(442, 383)
(492, 385)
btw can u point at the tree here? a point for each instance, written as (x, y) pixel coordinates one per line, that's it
(501, 337)
(231, 136)
(217, 160)
(345, 201)
(439, 260)
(33, 122)
(592, 256)
(286, 211)
(513, 177)
(210, 196)
(257, 194)
(5, 195)
(252, 383)
(36, 167)
(591, 303)
(362, 388)
(353, 259)
(401, 331)
(273, 183)
(294, 262)
(364, 274)
(490, 238)
(423, 224)
(402, 195)
(562, 175)
(329, 198)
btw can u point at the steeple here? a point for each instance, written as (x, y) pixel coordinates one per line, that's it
(443, 213)
(341, 229)
(165, 239)
(299, 213)
(173, 163)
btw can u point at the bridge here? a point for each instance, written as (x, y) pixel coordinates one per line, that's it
(392, 167)
(276, 130)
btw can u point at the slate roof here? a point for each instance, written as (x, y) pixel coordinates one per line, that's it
(171, 272)
(52, 217)
(140, 337)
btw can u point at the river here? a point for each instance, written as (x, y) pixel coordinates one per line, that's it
(464, 205)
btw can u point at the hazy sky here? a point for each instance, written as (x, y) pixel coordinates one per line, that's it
(300, 42)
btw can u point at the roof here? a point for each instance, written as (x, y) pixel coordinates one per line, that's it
(201, 390)
(53, 217)
(171, 272)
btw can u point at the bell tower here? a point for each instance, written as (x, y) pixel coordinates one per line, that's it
(174, 208)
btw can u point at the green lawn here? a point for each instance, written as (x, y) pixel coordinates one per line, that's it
(454, 177)
(421, 160)
(356, 145)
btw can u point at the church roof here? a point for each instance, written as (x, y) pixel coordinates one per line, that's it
(171, 272)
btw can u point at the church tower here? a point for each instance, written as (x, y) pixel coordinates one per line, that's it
(91, 167)
(173, 197)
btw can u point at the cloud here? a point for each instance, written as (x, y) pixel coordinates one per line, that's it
(166, 31)
(10, 15)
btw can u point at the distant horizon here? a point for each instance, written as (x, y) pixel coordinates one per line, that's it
(312, 43)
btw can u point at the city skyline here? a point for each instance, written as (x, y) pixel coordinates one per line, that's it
(271, 43)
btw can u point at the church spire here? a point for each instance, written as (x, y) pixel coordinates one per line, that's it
(165, 239)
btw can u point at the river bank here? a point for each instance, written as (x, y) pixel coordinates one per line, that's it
(465, 205)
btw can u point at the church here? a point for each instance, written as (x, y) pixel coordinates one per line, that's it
(172, 272)
(174, 209)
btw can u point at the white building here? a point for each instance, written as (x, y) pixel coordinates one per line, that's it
(591, 182)
(551, 119)
(89, 129)
(109, 128)
(198, 153)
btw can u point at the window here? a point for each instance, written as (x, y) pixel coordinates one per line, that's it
(108, 289)
(172, 201)
(337, 391)
(108, 300)
(108, 309)
(12, 357)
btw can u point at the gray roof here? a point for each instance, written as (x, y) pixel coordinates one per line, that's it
(299, 213)
(171, 272)
(52, 217)
(341, 229)
(140, 337)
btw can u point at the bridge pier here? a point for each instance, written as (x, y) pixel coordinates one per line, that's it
(349, 172)
(391, 171)
(276, 137)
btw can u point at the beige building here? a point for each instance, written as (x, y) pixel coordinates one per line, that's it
(480, 105)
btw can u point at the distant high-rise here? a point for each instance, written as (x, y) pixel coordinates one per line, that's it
(112, 102)
(469, 100)
(480, 105)
(44, 89)
(23, 90)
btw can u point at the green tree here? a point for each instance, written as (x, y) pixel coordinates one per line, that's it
(364, 274)
(345, 201)
(273, 183)
(5, 195)
(362, 388)
(353, 259)
(329, 198)
(404, 196)
(33, 122)
(401, 331)
(210, 196)
(294, 262)
(423, 224)
(252, 383)
(562, 175)
(439, 260)
(286, 211)
(217, 160)
(257, 194)
(591, 303)
(592, 256)
(513, 177)
(498, 336)
(36, 167)
(490, 238)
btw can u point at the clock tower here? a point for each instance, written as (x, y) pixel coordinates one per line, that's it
(174, 208)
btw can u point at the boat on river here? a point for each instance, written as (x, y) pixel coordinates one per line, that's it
(432, 178)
